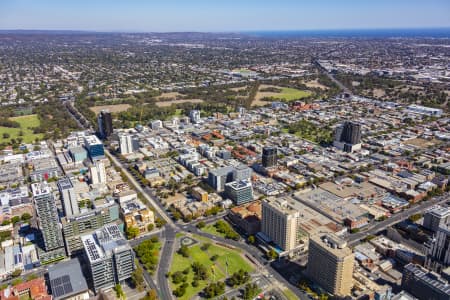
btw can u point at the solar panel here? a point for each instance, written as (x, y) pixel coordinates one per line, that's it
(61, 286)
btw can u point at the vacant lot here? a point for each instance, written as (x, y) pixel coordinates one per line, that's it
(315, 84)
(25, 132)
(239, 88)
(169, 103)
(170, 95)
(285, 94)
(421, 143)
(115, 108)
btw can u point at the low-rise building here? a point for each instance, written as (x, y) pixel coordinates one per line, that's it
(136, 215)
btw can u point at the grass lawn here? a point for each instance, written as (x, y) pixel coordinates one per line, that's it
(179, 263)
(290, 94)
(234, 259)
(289, 294)
(212, 230)
(27, 123)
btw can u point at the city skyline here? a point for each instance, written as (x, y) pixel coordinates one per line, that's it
(200, 15)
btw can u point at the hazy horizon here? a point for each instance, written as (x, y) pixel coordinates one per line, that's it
(220, 16)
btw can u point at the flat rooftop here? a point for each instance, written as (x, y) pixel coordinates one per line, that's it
(66, 279)
(333, 244)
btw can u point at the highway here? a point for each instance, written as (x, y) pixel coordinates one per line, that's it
(340, 85)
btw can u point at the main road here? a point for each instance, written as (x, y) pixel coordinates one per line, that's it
(380, 226)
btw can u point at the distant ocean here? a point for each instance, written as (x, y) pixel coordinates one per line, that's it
(380, 33)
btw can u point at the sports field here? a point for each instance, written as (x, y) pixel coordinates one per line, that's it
(216, 270)
(27, 123)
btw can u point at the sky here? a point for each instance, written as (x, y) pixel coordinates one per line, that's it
(222, 16)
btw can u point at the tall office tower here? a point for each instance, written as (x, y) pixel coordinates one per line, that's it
(279, 222)
(105, 127)
(438, 250)
(423, 284)
(330, 264)
(75, 226)
(98, 173)
(348, 137)
(126, 143)
(239, 192)
(242, 172)
(110, 257)
(68, 197)
(218, 177)
(437, 217)
(194, 115)
(269, 157)
(94, 147)
(47, 216)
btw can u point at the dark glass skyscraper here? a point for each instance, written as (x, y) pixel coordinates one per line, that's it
(269, 157)
(351, 133)
(348, 136)
(105, 127)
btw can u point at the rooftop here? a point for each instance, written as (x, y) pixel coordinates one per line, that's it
(65, 284)
(334, 244)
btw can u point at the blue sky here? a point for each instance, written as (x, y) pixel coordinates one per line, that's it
(218, 15)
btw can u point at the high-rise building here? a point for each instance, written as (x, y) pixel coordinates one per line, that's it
(68, 197)
(438, 250)
(218, 177)
(424, 284)
(94, 147)
(110, 257)
(47, 217)
(242, 172)
(194, 115)
(330, 264)
(437, 217)
(348, 137)
(105, 127)
(269, 157)
(126, 143)
(75, 226)
(98, 173)
(240, 192)
(156, 124)
(279, 222)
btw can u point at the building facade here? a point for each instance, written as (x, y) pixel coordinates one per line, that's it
(424, 285)
(348, 136)
(279, 222)
(48, 221)
(94, 147)
(437, 217)
(438, 250)
(75, 226)
(330, 264)
(110, 257)
(269, 157)
(105, 127)
(240, 192)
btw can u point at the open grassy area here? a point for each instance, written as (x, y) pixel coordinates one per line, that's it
(114, 108)
(27, 123)
(196, 254)
(212, 230)
(284, 94)
(290, 94)
(289, 294)
(233, 258)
